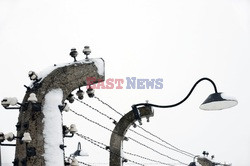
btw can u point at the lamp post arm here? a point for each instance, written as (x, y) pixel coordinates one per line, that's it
(173, 105)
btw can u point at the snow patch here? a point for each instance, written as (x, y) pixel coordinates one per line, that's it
(52, 132)
(100, 65)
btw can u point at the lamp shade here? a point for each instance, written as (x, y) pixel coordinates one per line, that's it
(218, 101)
(80, 153)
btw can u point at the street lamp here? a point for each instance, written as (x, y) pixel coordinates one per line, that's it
(215, 101)
(79, 151)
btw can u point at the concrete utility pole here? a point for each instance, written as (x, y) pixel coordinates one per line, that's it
(119, 132)
(67, 78)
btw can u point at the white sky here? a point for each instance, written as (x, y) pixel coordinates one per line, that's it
(177, 40)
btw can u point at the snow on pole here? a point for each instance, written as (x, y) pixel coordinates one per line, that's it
(52, 132)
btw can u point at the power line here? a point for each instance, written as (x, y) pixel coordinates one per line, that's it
(174, 148)
(108, 105)
(105, 147)
(94, 109)
(190, 154)
(90, 120)
(127, 137)
(84, 163)
(145, 158)
(157, 151)
(177, 149)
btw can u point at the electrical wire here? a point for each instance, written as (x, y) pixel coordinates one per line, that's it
(183, 151)
(157, 151)
(105, 147)
(94, 109)
(108, 105)
(69, 158)
(174, 148)
(145, 158)
(179, 151)
(128, 138)
(91, 120)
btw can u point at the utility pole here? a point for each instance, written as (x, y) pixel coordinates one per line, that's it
(31, 118)
(118, 134)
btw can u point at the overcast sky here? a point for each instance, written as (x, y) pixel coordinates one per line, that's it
(178, 41)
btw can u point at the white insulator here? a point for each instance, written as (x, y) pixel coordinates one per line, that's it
(13, 101)
(73, 129)
(9, 136)
(26, 137)
(32, 98)
(33, 77)
(31, 73)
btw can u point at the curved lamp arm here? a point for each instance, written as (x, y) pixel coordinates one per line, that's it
(173, 105)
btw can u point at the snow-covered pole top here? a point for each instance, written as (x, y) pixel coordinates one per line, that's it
(70, 76)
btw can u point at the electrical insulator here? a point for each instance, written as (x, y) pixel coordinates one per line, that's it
(73, 53)
(26, 137)
(32, 75)
(72, 129)
(80, 94)
(65, 130)
(86, 51)
(9, 136)
(7, 101)
(90, 92)
(70, 98)
(32, 98)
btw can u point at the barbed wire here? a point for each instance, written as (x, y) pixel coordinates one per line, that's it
(95, 109)
(145, 158)
(84, 163)
(177, 149)
(91, 120)
(188, 153)
(127, 137)
(157, 151)
(108, 105)
(98, 144)
(69, 158)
